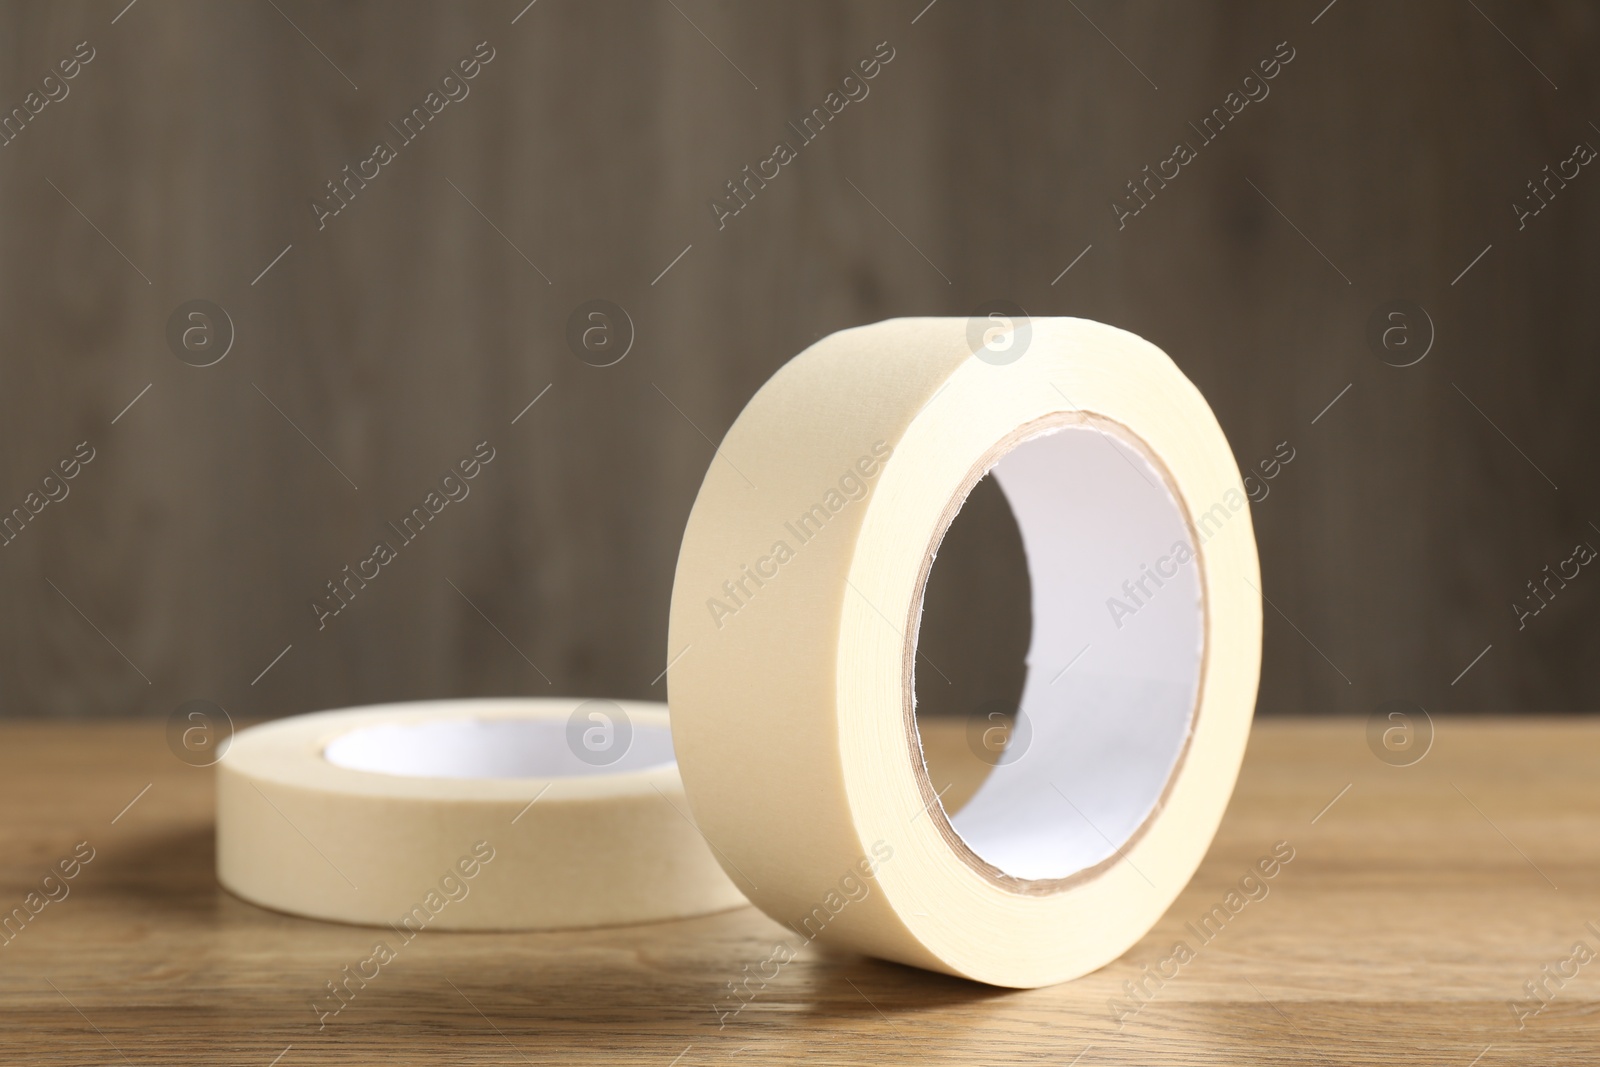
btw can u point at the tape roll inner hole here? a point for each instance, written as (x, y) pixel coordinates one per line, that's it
(1114, 661)
(599, 741)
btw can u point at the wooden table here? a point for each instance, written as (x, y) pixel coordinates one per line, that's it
(1419, 901)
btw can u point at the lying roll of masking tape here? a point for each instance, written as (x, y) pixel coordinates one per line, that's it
(795, 611)
(504, 814)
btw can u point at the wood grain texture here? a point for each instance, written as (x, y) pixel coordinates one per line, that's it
(1415, 907)
(420, 321)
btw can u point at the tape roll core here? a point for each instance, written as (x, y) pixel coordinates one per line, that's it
(489, 748)
(1090, 501)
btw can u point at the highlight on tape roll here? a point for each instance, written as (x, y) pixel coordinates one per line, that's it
(487, 814)
(798, 597)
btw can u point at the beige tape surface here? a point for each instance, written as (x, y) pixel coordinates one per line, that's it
(795, 609)
(492, 814)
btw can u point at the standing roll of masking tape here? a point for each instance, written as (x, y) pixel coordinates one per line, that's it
(795, 612)
(493, 814)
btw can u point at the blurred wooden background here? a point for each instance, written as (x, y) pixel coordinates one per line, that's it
(425, 316)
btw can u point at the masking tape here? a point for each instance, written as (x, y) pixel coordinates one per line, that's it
(496, 814)
(795, 611)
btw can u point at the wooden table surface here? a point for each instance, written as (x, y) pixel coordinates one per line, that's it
(1419, 902)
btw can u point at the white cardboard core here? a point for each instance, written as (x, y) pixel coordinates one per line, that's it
(1113, 663)
(490, 748)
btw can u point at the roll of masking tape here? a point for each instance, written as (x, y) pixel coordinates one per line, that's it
(503, 814)
(795, 611)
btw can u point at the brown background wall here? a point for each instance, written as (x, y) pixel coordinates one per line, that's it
(416, 323)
